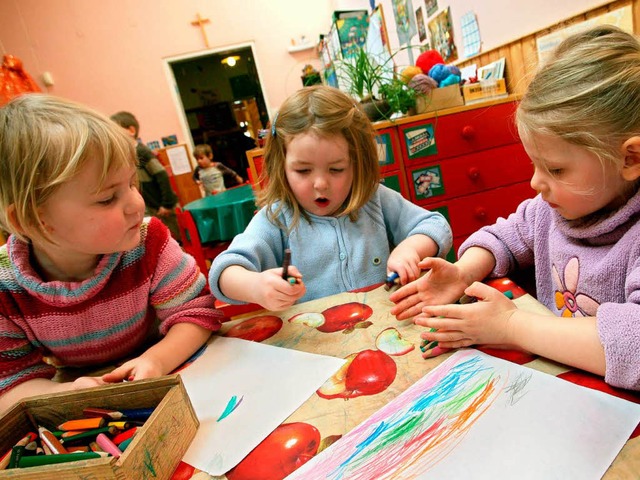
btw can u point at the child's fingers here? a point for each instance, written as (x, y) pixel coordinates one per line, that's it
(434, 352)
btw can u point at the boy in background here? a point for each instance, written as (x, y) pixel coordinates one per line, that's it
(159, 198)
(211, 175)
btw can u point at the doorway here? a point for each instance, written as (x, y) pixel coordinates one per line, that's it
(220, 101)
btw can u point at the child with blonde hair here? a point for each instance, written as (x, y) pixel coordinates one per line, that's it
(83, 277)
(580, 124)
(324, 203)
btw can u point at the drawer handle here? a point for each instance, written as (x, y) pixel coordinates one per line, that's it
(480, 214)
(468, 132)
(473, 173)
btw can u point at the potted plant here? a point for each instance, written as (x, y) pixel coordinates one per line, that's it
(363, 77)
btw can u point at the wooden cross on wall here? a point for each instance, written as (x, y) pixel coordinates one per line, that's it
(201, 22)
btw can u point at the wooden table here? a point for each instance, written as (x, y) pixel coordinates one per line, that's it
(321, 421)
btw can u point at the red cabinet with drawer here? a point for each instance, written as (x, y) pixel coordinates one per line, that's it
(468, 164)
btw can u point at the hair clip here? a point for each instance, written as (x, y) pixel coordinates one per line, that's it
(273, 125)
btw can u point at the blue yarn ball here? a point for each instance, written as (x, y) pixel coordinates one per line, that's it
(450, 80)
(439, 72)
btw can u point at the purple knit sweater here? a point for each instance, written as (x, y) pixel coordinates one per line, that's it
(587, 267)
(102, 319)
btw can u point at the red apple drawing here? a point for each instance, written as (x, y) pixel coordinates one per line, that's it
(364, 373)
(256, 329)
(287, 448)
(344, 316)
(184, 471)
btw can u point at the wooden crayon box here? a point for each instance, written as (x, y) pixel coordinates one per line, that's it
(154, 452)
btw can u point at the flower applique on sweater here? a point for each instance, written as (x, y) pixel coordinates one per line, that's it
(568, 300)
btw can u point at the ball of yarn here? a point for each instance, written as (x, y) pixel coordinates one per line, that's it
(422, 84)
(428, 59)
(450, 80)
(409, 72)
(439, 72)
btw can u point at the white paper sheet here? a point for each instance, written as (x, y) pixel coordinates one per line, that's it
(265, 384)
(480, 417)
(179, 160)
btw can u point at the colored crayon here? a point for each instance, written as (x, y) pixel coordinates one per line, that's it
(78, 448)
(29, 437)
(123, 445)
(129, 414)
(125, 425)
(84, 434)
(50, 441)
(121, 437)
(39, 460)
(285, 263)
(107, 445)
(16, 454)
(82, 424)
(391, 279)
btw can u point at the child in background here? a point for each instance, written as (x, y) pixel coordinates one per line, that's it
(159, 198)
(323, 201)
(580, 124)
(83, 278)
(209, 174)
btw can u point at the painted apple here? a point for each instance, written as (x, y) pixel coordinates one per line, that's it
(184, 471)
(506, 284)
(391, 342)
(310, 319)
(256, 329)
(364, 373)
(287, 448)
(342, 317)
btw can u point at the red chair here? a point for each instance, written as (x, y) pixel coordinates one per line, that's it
(203, 253)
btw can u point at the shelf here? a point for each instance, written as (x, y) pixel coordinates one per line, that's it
(300, 48)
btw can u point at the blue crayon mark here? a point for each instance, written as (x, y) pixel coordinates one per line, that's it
(231, 406)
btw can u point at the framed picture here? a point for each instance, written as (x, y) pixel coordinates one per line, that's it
(422, 31)
(441, 33)
(431, 6)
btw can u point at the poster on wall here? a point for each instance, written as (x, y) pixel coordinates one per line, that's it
(352, 29)
(470, 34)
(431, 6)
(378, 39)
(405, 22)
(441, 33)
(422, 30)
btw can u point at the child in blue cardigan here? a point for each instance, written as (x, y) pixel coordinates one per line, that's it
(323, 201)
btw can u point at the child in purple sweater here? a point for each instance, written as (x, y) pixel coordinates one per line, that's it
(85, 281)
(580, 124)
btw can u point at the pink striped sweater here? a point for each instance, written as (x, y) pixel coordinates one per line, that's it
(102, 319)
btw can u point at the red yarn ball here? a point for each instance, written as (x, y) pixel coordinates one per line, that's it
(428, 59)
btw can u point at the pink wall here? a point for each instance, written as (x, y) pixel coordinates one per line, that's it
(109, 53)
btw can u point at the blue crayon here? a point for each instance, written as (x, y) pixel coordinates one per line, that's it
(391, 280)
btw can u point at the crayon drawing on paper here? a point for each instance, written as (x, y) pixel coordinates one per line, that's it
(477, 416)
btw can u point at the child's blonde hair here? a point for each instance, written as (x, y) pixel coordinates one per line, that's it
(326, 112)
(588, 93)
(202, 150)
(44, 142)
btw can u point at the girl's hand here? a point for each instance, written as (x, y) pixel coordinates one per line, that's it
(87, 382)
(135, 369)
(488, 321)
(404, 261)
(275, 293)
(442, 284)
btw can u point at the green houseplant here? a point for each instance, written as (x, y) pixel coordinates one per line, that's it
(375, 84)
